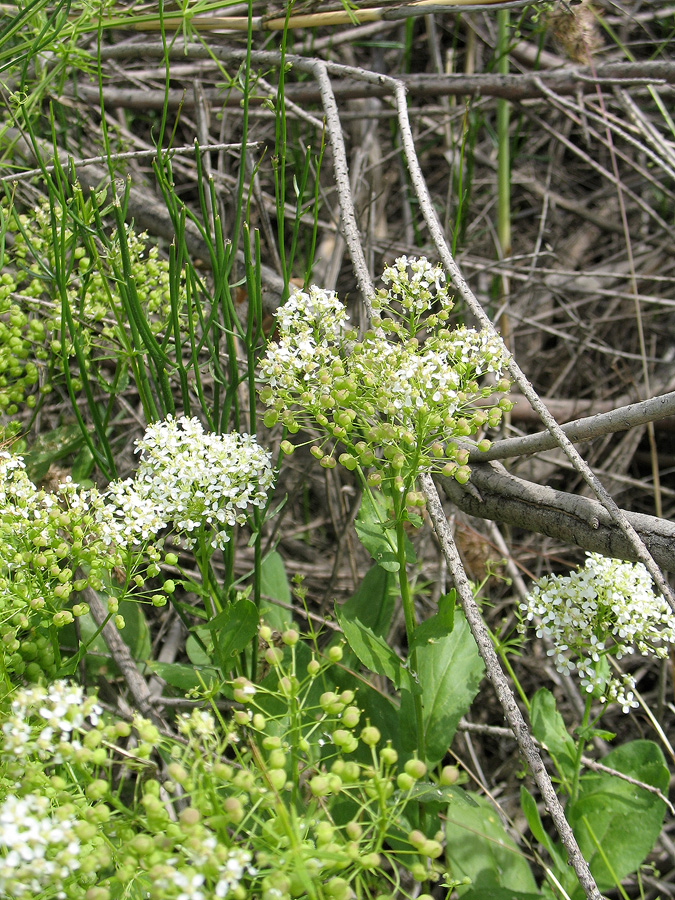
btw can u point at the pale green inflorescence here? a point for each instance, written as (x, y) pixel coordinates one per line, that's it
(397, 399)
(605, 608)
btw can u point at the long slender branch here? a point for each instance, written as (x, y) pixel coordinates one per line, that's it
(499, 496)
(567, 80)
(350, 228)
(514, 717)
(621, 419)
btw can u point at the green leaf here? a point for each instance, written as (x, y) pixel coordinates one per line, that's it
(426, 792)
(119, 383)
(437, 626)
(233, 628)
(500, 894)
(479, 848)
(373, 602)
(450, 671)
(82, 467)
(182, 676)
(372, 527)
(371, 649)
(548, 727)
(555, 851)
(617, 823)
(49, 447)
(195, 652)
(274, 586)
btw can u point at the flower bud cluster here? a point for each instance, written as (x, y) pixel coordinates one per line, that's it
(249, 807)
(325, 754)
(605, 608)
(401, 400)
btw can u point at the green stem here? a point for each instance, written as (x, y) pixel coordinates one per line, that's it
(581, 745)
(409, 617)
(503, 140)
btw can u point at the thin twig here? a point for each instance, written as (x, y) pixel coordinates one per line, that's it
(621, 419)
(494, 672)
(137, 685)
(131, 154)
(501, 732)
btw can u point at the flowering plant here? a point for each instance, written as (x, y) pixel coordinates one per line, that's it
(193, 481)
(399, 399)
(605, 608)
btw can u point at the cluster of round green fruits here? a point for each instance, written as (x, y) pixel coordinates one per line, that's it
(32, 343)
(53, 546)
(292, 795)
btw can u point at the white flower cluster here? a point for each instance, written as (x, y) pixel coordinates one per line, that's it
(401, 380)
(416, 284)
(605, 608)
(477, 351)
(227, 869)
(316, 313)
(38, 849)
(311, 326)
(190, 479)
(41, 716)
(18, 495)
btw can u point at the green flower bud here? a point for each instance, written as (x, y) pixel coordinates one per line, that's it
(277, 778)
(319, 786)
(233, 809)
(462, 475)
(449, 775)
(350, 716)
(348, 461)
(335, 654)
(416, 768)
(389, 756)
(370, 735)
(404, 781)
(97, 790)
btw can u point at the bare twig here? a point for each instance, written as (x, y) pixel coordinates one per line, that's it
(526, 744)
(587, 429)
(500, 732)
(137, 685)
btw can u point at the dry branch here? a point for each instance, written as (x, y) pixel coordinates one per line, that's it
(621, 419)
(501, 497)
(514, 717)
(138, 688)
(566, 81)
